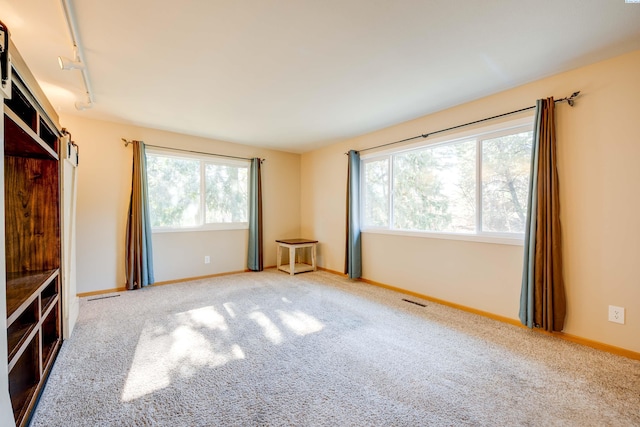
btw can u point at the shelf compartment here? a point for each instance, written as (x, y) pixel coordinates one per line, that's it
(24, 379)
(20, 330)
(23, 288)
(47, 135)
(49, 295)
(22, 106)
(50, 334)
(20, 140)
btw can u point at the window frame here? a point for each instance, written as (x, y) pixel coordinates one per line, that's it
(203, 159)
(479, 134)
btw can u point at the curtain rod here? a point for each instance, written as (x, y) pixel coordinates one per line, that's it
(568, 99)
(126, 143)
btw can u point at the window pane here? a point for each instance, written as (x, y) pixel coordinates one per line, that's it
(506, 162)
(434, 188)
(226, 193)
(174, 191)
(376, 193)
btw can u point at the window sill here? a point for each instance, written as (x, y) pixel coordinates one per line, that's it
(480, 238)
(209, 227)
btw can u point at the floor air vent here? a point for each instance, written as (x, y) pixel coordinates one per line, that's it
(108, 296)
(413, 302)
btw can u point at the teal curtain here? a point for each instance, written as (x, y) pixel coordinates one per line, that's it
(139, 254)
(353, 253)
(542, 297)
(255, 256)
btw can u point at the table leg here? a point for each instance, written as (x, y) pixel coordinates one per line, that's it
(279, 261)
(313, 257)
(292, 259)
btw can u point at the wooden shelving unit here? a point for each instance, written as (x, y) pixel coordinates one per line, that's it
(32, 246)
(30, 298)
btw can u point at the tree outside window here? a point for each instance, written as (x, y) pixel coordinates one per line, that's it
(476, 185)
(196, 192)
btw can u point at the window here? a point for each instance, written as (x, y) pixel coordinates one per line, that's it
(196, 192)
(467, 185)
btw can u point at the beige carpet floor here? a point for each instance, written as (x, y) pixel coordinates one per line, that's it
(267, 349)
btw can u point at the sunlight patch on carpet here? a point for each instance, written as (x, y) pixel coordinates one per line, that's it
(300, 322)
(205, 316)
(269, 329)
(178, 350)
(229, 306)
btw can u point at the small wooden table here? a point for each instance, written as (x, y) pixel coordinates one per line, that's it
(296, 267)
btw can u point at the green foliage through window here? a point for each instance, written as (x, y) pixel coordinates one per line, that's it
(476, 185)
(506, 164)
(191, 192)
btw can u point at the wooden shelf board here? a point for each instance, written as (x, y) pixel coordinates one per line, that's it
(298, 268)
(295, 242)
(23, 288)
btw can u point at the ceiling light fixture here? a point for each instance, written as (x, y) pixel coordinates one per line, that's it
(80, 106)
(77, 63)
(70, 64)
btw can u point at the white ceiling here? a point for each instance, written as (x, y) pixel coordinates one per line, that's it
(299, 74)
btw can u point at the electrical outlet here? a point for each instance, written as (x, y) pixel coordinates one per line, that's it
(616, 314)
(207, 259)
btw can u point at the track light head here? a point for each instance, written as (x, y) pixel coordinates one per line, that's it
(80, 106)
(69, 64)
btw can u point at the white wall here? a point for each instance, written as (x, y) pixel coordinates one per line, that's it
(180, 255)
(598, 154)
(104, 185)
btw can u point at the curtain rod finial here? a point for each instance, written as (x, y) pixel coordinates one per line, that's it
(570, 100)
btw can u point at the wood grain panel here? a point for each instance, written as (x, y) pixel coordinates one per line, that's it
(31, 214)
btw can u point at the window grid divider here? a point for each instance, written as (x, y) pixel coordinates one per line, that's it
(478, 186)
